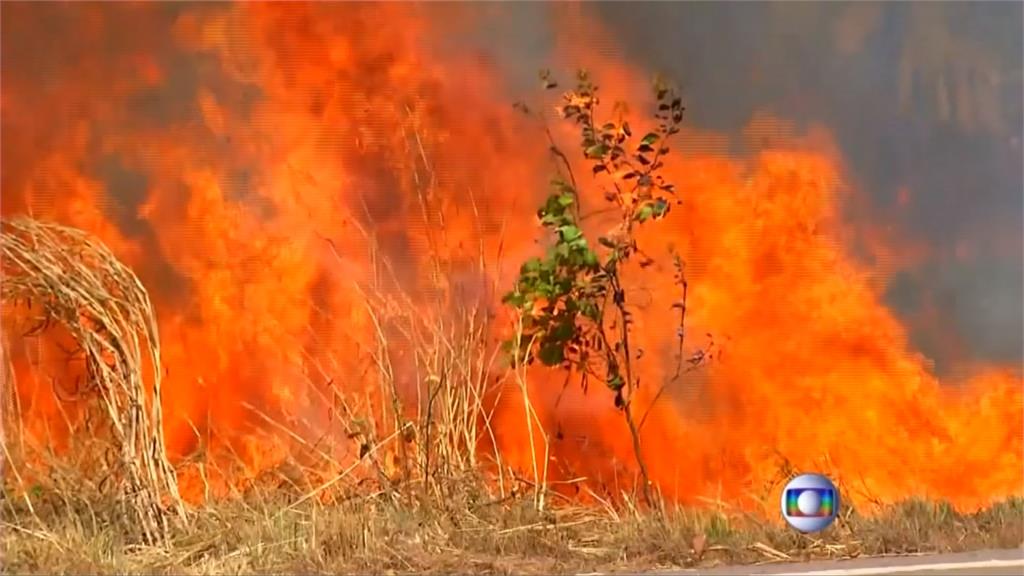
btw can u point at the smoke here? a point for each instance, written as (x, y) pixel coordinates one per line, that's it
(921, 98)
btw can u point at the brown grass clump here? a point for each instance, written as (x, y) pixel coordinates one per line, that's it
(70, 280)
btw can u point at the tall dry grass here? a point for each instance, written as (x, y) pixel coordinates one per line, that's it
(62, 276)
(420, 443)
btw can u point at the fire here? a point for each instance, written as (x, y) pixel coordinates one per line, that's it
(254, 162)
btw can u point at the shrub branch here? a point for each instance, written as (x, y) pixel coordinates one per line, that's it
(572, 301)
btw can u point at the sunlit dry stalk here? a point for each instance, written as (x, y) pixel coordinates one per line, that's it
(451, 346)
(519, 368)
(446, 390)
(82, 287)
(11, 415)
(450, 366)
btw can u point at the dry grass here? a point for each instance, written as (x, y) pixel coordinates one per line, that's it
(428, 508)
(65, 277)
(466, 533)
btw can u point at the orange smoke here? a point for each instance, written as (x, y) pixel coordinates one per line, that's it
(252, 160)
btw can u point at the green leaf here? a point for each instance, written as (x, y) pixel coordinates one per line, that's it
(565, 199)
(660, 207)
(563, 331)
(620, 402)
(514, 299)
(597, 151)
(564, 286)
(531, 265)
(570, 233)
(551, 354)
(649, 139)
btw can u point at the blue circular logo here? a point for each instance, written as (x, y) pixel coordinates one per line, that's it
(810, 502)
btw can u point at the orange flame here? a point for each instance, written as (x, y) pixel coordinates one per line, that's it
(250, 165)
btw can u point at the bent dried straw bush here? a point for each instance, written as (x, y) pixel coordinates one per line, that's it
(81, 286)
